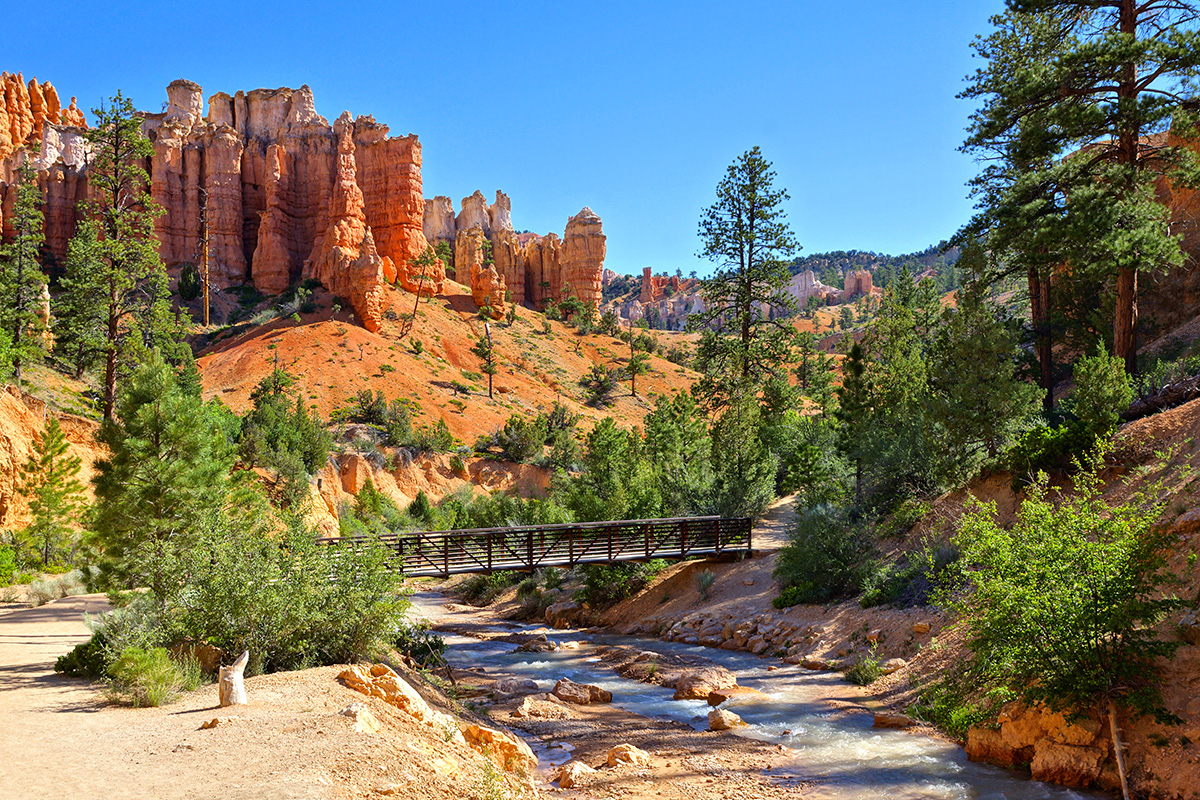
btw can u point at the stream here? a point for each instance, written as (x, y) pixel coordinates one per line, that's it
(842, 754)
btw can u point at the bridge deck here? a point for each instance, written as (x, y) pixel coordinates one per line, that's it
(444, 553)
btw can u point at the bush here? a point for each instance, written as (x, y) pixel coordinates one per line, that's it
(150, 677)
(8, 565)
(87, 660)
(866, 670)
(705, 579)
(289, 600)
(190, 284)
(1048, 449)
(825, 559)
(606, 584)
(1102, 392)
(47, 589)
(420, 644)
(1065, 601)
(483, 589)
(912, 583)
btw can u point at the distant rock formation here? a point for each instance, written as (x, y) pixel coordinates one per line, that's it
(487, 286)
(261, 167)
(535, 269)
(858, 283)
(345, 259)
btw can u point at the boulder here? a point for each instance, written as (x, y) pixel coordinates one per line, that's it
(1066, 764)
(581, 694)
(889, 720)
(699, 684)
(987, 745)
(735, 693)
(542, 706)
(920, 628)
(892, 664)
(721, 720)
(381, 681)
(515, 686)
(571, 774)
(816, 663)
(562, 615)
(628, 754)
(505, 750)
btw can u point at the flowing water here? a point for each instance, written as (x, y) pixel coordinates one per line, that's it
(841, 754)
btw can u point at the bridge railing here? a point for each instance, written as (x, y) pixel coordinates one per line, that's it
(443, 553)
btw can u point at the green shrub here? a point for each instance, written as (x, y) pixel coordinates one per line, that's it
(1048, 449)
(705, 579)
(1102, 392)
(44, 590)
(150, 677)
(420, 643)
(8, 565)
(911, 583)
(866, 670)
(190, 284)
(86, 660)
(825, 559)
(483, 589)
(605, 584)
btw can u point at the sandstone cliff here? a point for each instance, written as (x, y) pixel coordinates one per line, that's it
(261, 169)
(534, 269)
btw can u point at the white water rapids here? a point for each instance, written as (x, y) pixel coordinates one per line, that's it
(843, 756)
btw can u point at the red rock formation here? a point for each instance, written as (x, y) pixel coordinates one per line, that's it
(474, 212)
(262, 167)
(269, 268)
(487, 286)
(438, 223)
(509, 258)
(345, 259)
(543, 269)
(583, 257)
(431, 283)
(858, 282)
(654, 288)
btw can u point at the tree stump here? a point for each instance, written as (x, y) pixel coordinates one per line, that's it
(232, 687)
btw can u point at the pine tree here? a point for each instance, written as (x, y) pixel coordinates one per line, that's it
(79, 308)
(126, 253)
(1118, 79)
(743, 468)
(167, 471)
(639, 364)
(854, 407)
(746, 234)
(814, 371)
(485, 351)
(977, 397)
(49, 479)
(22, 281)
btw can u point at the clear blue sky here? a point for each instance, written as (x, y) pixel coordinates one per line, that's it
(634, 109)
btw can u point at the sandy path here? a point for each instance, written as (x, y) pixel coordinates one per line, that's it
(771, 532)
(59, 738)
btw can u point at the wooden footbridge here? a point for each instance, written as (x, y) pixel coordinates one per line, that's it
(445, 553)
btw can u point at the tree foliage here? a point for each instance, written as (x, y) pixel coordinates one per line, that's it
(746, 235)
(1062, 605)
(22, 281)
(49, 480)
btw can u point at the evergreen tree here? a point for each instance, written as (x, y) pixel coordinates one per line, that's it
(49, 479)
(79, 317)
(743, 468)
(814, 371)
(853, 409)
(168, 470)
(977, 396)
(485, 351)
(126, 253)
(678, 445)
(639, 364)
(22, 282)
(746, 234)
(1119, 74)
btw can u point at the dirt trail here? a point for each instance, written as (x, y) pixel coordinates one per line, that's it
(771, 532)
(59, 739)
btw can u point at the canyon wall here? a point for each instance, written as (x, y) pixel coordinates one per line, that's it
(533, 269)
(261, 169)
(284, 195)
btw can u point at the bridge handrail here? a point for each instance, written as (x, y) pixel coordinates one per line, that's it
(516, 529)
